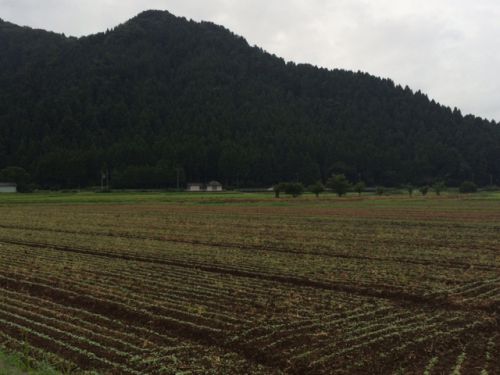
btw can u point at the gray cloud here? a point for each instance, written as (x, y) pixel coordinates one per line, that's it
(448, 49)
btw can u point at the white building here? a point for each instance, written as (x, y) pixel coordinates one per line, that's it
(211, 186)
(214, 186)
(8, 187)
(194, 186)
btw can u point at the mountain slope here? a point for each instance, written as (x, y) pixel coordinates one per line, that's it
(159, 93)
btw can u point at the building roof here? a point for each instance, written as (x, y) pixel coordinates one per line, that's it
(214, 183)
(8, 184)
(195, 184)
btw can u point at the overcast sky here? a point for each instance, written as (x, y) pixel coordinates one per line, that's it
(449, 49)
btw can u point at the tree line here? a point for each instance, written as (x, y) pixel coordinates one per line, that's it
(340, 185)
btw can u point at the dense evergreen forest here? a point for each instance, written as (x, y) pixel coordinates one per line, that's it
(160, 96)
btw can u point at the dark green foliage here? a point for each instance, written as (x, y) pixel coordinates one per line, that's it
(467, 187)
(316, 188)
(339, 184)
(160, 92)
(143, 177)
(19, 176)
(439, 187)
(424, 190)
(409, 188)
(279, 188)
(359, 187)
(294, 189)
(491, 188)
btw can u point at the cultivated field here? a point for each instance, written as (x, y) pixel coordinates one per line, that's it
(247, 284)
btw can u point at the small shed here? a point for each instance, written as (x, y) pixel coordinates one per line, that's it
(195, 186)
(8, 187)
(214, 186)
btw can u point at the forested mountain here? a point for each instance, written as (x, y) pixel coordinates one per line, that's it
(160, 93)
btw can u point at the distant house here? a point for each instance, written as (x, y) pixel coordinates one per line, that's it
(211, 186)
(8, 187)
(214, 186)
(194, 186)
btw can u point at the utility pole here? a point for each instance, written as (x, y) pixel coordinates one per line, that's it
(178, 170)
(103, 177)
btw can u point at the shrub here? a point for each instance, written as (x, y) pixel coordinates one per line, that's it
(490, 188)
(467, 187)
(339, 184)
(438, 187)
(359, 187)
(424, 190)
(278, 188)
(409, 188)
(294, 189)
(317, 188)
